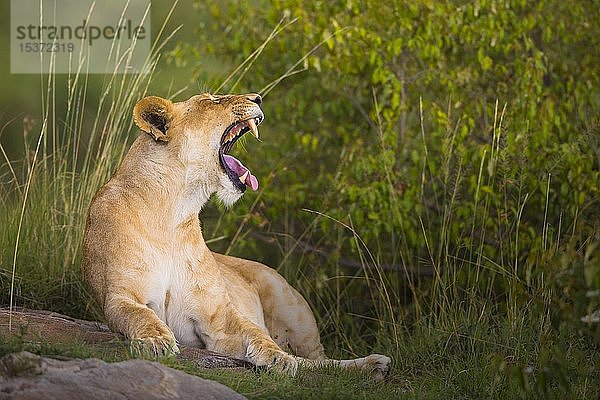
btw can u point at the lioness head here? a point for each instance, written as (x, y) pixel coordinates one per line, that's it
(200, 132)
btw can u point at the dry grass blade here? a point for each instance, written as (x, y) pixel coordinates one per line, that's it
(292, 70)
(247, 63)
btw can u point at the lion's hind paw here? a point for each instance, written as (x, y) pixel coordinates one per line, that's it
(379, 365)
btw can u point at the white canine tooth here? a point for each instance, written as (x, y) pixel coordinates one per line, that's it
(243, 177)
(252, 126)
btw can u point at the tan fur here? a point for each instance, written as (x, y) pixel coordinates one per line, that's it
(150, 269)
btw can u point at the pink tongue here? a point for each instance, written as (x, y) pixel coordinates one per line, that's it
(235, 165)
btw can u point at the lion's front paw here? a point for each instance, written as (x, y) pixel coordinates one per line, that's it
(154, 346)
(284, 363)
(379, 365)
(272, 358)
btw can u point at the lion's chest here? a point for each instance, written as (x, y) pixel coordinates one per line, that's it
(168, 293)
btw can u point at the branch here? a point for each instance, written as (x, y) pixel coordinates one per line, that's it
(345, 262)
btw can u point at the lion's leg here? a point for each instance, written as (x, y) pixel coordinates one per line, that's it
(292, 324)
(377, 364)
(290, 319)
(234, 335)
(141, 324)
(288, 316)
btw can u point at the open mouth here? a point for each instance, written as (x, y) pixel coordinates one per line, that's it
(235, 170)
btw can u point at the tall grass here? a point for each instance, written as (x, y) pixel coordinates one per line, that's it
(69, 153)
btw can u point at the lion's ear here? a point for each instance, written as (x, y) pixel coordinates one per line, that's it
(153, 115)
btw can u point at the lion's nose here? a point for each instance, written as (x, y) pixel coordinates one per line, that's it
(255, 98)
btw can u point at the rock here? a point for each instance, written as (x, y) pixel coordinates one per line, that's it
(32, 325)
(28, 376)
(51, 327)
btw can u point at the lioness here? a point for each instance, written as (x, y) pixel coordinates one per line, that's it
(147, 262)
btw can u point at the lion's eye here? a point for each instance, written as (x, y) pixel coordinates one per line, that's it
(216, 100)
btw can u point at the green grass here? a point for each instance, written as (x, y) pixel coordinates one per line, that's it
(433, 363)
(501, 327)
(307, 384)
